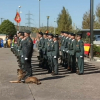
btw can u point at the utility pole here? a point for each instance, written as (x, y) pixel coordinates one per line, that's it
(29, 20)
(48, 23)
(39, 14)
(91, 27)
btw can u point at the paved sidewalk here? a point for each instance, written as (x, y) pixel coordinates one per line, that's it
(65, 86)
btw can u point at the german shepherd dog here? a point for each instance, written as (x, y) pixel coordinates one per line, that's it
(21, 74)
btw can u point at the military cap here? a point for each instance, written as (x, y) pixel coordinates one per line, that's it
(72, 34)
(66, 32)
(79, 34)
(56, 36)
(22, 33)
(62, 31)
(28, 31)
(40, 33)
(45, 34)
(50, 34)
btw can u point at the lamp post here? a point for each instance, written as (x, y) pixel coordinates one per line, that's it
(48, 22)
(39, 14)
(19, 14)
(54, 27)
(91, 27)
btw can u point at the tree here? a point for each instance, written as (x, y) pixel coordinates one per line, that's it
(7, 27)
(86, 21)
(98, 13)
(64, 21)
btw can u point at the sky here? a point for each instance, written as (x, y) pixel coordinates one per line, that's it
(52, 8)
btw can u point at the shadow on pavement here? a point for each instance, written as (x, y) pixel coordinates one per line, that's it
(90, 69)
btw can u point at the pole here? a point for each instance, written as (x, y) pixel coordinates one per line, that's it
(48, 23)
(19, 14)
(91, 27)
(39, 14)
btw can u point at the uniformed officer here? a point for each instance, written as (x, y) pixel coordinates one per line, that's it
(55, 55)
(41, 48)
(72, 52)
(45, 50)
(49, 52)
(62, 47)
(27, 50)
(66, 49)
(80, 54)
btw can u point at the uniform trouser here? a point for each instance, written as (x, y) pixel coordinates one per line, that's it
(69, 59)
(28, 68)
(73, 62)
(63, 57)
(80, 62)
(50, 63)
(41, 54)
(55, 67)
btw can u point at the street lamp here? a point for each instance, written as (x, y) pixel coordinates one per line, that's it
(39, 14)
(91, 27)
(19, 14)
(48, 22)
(54, 27)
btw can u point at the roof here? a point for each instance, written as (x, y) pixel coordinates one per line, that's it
(85, 30)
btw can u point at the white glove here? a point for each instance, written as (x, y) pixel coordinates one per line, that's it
(22, 56)
(26, 58)
(63, 50)
(18, 50)
(81, 56)
(38, 50)
(67, 51)
(54, 56)
(12, 47)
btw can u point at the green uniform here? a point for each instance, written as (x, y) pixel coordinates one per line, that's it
(55, 55)
(40, 47)
(66, 49)
(49, 55)
(72, 52)
(69, 57)
(62, 50)
(27, 50)
(80, 56)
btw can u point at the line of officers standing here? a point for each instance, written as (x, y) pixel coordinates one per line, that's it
(71, 47)
(22, 47)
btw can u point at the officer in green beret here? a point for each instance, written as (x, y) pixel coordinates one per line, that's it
(49, 52)
(55, 55)
(80, 54)
(72, 52)
(27, 50)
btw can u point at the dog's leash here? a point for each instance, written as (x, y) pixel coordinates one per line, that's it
(31, 92)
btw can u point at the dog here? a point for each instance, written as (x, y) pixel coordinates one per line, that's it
(21, 74)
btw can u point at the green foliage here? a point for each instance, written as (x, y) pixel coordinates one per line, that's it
(64, 21)
(98, 13)
(7, 27)
(96, 51)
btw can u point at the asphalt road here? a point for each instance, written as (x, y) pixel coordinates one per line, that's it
(65, 86)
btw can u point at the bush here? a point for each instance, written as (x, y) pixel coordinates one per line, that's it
(96, 51)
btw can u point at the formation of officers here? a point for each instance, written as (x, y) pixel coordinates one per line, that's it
(71, 47)
(22, 47)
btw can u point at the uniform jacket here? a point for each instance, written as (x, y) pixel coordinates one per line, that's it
(66, 44)
(72, 49)
(41, 44)
(79, 48)
(62, 43)
(27, 48)
(49, 47)
(55, 49)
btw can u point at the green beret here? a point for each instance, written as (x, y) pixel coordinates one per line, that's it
(28, 31)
